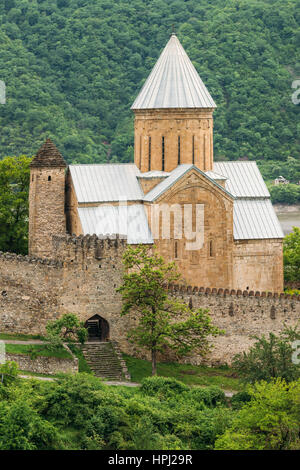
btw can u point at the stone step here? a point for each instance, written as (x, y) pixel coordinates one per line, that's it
(104, 360)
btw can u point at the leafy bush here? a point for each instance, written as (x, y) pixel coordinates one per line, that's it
(269, 421)
(8, 372)
(162, 386)
(291, 255)
(239, 399)
(21, 428)
(269, 358)
(211, 396)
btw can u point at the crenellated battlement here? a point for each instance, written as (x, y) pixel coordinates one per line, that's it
(7, 256)
(193, 290)
(87, 247)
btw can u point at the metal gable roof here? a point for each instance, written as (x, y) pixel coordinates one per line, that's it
(243, 179)
(255, 219)
(106, 182)
(174, 82)
(175, 175)
(129, 221)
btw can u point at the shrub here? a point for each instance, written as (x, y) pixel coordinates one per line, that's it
(269, 358)
(269, 421)
(211, 396)
(8, 372)
(239, 399)
(162, 387)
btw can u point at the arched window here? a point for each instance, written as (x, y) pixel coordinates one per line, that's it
(49, 178)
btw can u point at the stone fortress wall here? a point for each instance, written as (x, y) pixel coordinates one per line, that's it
(82, 276)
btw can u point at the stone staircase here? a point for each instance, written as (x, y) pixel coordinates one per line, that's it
(105, 360)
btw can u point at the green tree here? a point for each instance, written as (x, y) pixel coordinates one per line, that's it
(14, 191)
(161, 322)
(67, 328)
(269, 421)
(291, 255)
(269, 358)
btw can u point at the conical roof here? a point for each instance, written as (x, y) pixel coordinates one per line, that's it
(174, 82)
(48, 156)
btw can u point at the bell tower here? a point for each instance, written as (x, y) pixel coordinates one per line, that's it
(46, 199)
(173, 115)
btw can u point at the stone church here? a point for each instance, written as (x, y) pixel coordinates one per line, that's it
(214, 219)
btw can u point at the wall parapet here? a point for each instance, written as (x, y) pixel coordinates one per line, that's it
(7, 256)
(208, 291)
(71, 247)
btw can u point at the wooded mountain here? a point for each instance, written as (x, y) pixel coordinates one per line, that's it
(73, 68)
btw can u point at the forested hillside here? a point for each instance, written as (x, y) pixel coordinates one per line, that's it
(73, 68)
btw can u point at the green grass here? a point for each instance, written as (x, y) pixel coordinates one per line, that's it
(20, 337)
(223, 377)
(26, 349)
(82, 364)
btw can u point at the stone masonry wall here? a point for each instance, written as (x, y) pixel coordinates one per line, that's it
(83, 280)
(44, 365)
(242, 314)
(194, 127)
(46, 208)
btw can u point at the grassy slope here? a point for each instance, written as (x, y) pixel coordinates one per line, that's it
(222, 377)
(20, 337)
(26, 349)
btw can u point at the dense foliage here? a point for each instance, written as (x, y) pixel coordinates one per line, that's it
(269, 358)
(73, 68)
(291, 255)
(79, 412)
(269, 421)
(14, 191)
(162, 323)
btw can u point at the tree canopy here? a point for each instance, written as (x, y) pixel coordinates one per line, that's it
(162, 323)
(72, 69)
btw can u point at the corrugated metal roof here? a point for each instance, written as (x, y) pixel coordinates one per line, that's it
(130, 221)
(244, 179)
(175, 175)
(255, 219)
(174, 82)
(215, 176)
(154, 174)
(106, 182)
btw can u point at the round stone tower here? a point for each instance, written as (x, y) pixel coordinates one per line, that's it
(173, 115)
(46, 199)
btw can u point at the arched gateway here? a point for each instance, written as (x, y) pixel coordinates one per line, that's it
(98, 328)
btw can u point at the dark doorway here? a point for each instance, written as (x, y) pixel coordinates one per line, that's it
(98, 328)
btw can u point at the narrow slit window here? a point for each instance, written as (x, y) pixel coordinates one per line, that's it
(149, 160)
(211, 247)
(193, 149)
(179, 150)
(140, 166)
(49, 178)
(163, 153)
(176, 250)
